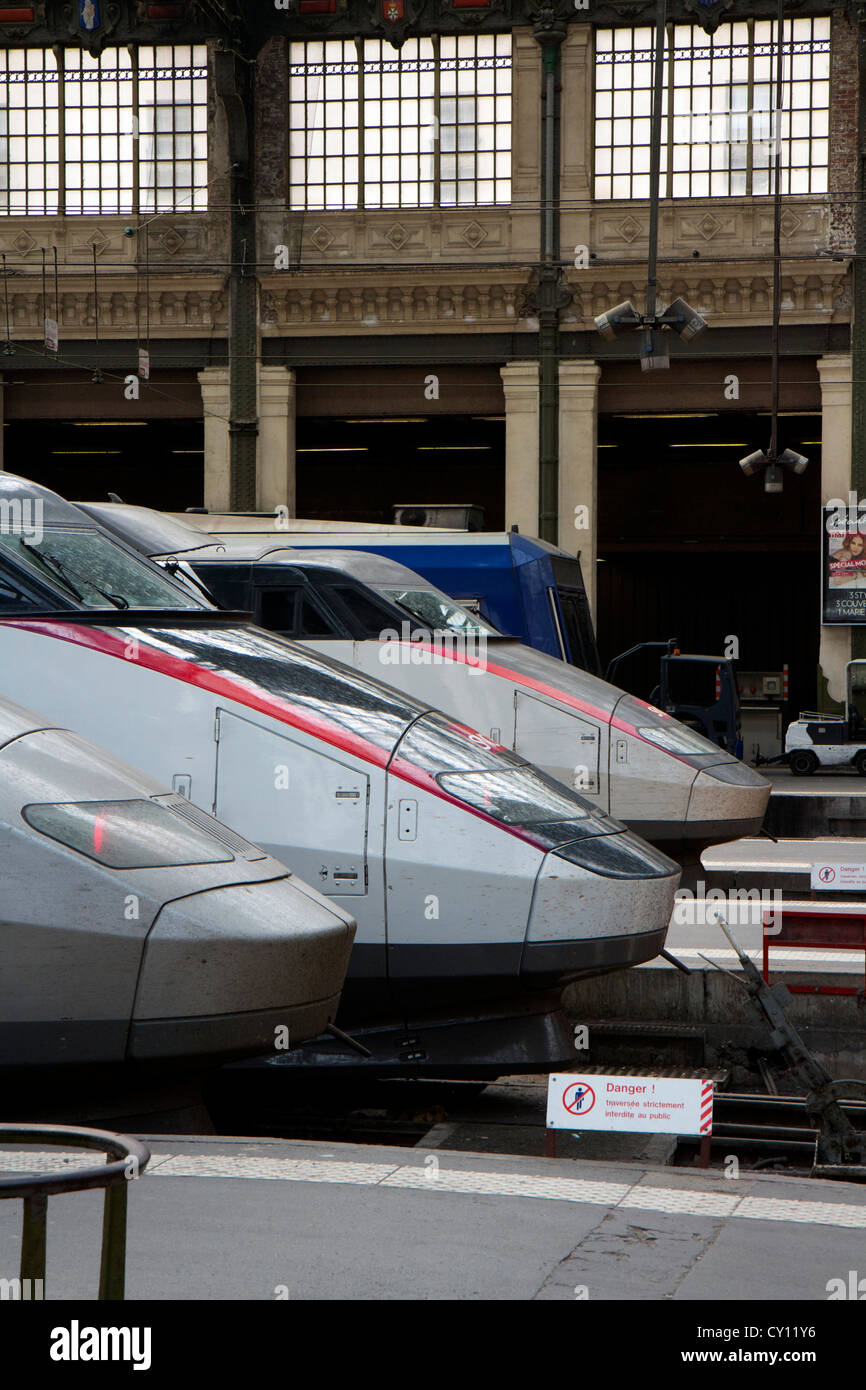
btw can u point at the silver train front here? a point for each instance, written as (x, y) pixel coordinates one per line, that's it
(135, 927)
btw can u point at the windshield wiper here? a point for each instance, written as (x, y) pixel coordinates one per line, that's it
(54, 567)
(117, 599)
(60, 569)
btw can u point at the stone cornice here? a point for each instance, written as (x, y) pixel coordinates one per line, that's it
(465, 300)
(193, 309)
(492, 299)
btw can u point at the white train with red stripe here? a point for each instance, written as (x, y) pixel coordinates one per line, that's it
(667, 782)
(480, 886)
(136, 928)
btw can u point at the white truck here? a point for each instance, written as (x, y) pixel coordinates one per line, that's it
(832, 740)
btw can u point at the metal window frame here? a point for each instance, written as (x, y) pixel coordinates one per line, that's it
(500, 182)
(811, 44)
(126, 202)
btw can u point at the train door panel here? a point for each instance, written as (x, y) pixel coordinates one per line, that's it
(566, 745)
(306, 808)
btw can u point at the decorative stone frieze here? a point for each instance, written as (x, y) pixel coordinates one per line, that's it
(420, 299)
(175, 310)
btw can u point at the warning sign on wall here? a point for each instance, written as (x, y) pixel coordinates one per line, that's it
(654, 1104)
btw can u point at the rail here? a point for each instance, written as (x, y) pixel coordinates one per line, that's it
(127, 1159)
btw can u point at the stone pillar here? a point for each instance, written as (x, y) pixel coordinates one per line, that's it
(214, 383)
(834, 370)
(275, 471)
(526, 145)
(576, 135)
(520, 381)
(578, 471)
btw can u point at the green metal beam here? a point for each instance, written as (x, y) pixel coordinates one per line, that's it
(858, 325)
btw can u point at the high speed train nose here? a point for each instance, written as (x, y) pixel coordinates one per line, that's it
(212, 983)
(599, 905)
(728, 801)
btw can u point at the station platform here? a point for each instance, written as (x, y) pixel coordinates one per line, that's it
(787, 867)
(827, 803)
(265, 1220)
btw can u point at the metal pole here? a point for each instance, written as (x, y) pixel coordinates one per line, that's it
(112, 1269)
(549, 62)
(33, 1238)
(235, 85)
(550, 294)
(655, 165)
(8, 349)
(773, 451)
(858, 326)
(96, 306)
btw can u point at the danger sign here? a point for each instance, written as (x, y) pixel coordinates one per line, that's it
(654, 1104)
(850, 876)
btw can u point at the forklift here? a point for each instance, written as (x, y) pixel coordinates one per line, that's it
(699, 691)
(831, 740)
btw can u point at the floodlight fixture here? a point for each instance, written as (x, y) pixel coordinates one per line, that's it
(798, 463)
(683, 319)
(613, 321)
(753, 463)
(774, 468)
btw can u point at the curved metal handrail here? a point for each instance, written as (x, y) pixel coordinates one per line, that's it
(128, 1158)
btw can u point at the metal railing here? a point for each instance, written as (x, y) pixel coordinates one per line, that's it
(127, 1159)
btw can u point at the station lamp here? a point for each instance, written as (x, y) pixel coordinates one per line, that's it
(613, 321)
(679, 317)
(656, 324)
(773, 466)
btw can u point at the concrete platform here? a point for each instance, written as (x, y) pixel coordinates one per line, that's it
(785, 864)
(252, 1220)
(823, 804)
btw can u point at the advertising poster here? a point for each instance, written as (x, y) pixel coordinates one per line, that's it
(843, 567)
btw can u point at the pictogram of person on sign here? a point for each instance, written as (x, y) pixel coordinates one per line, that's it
(579, 1098)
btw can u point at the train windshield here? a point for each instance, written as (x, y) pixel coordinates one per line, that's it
(518, 796)
(438, 612)
(490, 778)
(662, 729)
(126, 834)
(86, 567)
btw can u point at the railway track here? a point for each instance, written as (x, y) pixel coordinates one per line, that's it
(772, 1126)
(760, 1129)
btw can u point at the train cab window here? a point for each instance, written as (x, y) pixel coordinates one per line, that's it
(575, 626)
(228, 584)
(692, 683)
(276, 610)
(312, 622)
(88, 567)
(368, 617)
(13, 599)
(287, 609)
